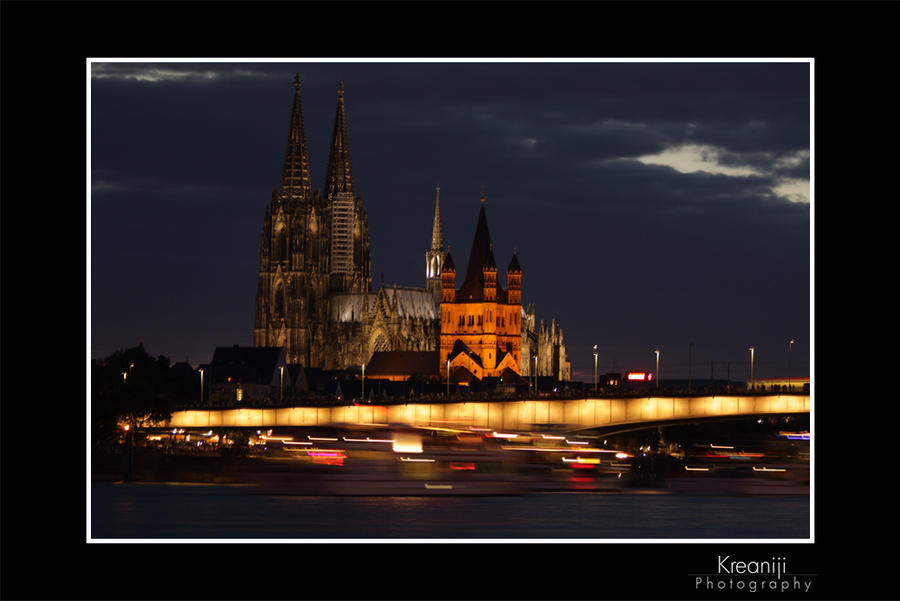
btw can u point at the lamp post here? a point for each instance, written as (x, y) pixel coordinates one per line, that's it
(752, 383)
(363, 381)
(535, 374)
(790, 344)
(657, 368)
(448, 379)
(281, 391)
(690, 348)
(595, 368)
(124, 377)
(201, 385)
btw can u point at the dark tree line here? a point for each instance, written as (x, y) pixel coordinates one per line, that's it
(132, 387)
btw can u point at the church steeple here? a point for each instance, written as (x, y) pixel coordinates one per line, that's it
(437, 235)
(434, 257)
(339, 177)
(350, 253)
(480, 258)
(295, 181)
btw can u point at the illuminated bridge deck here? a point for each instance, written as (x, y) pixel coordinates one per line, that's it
(521, 415)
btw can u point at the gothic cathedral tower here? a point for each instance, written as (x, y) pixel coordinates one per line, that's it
(351, 261)
(311, 244)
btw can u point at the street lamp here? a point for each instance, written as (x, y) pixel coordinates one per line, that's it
(752, 383)
(690, 348)
(657, 368)
(363, 381)
(790, 344)
(448, 379)
(535, 374)
(595, 368)
(281, 392)
(201, 385)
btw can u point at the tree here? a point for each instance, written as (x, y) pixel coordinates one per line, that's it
(133, 387)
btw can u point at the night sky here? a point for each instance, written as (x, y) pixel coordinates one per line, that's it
(652, 205)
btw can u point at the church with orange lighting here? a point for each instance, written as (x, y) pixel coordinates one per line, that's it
(481, 329)
(315, 298)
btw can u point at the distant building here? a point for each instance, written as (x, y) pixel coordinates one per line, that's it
(779, 384)
(315, 297)
(243, 373)
(399, 366)
(547, 345)
(481, 329)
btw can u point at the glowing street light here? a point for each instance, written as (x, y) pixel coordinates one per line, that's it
(752, 383)
(790, 344)
(201, 385)
(535, 374)
(657, 368)
(363, 381)
(595, 368)
(281, 394)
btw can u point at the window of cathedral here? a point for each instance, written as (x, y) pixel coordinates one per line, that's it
(381, 343)
(280, 244)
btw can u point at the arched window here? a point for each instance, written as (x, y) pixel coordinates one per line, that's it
(381, 343)
(281, 250)
(280, 300)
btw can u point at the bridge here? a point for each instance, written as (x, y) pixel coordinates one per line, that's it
(520, 415)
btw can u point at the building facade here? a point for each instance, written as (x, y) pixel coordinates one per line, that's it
(543, 349)
(315, 297)
(481, 330)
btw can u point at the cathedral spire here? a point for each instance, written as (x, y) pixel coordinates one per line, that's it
(481, 256)
(295, 182)
(339, 177)
(437, 235)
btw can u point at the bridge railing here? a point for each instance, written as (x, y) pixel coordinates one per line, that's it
(523, 414)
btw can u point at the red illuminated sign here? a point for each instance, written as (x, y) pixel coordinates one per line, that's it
(639, 376)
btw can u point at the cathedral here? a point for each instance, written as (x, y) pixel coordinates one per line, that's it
(315, 297)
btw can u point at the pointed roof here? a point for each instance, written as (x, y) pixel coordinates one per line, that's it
(339, 177)
(437, 235)
(482, 255)
(448, 263)
(460, 347)
(514, 264)
(295, 182)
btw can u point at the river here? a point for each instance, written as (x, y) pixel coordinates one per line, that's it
(193, 511)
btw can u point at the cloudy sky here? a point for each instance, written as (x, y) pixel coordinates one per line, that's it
(653, 205)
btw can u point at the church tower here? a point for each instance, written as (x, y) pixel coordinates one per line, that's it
(480, 322)
(291, 309)
(434, 257)
(350, 252)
